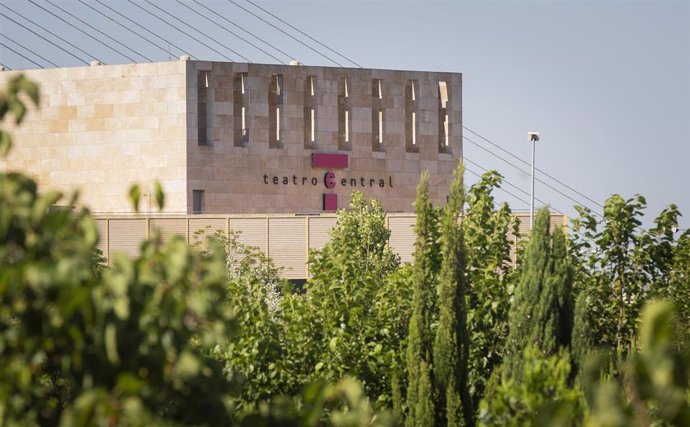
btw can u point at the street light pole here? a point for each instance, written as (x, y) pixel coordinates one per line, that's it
(533, 137)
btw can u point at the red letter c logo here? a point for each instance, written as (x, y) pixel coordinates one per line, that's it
(329, 180)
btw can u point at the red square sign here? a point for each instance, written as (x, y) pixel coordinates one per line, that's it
(330, 202)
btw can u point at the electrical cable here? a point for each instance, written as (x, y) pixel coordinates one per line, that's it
(231, 32)
(87, 34)
(26, 48)
(207, 36)
(5, 67)
(289, 35)
(287, 55)
(36, 64)
(36, 34)
(503, 179)
(500, 188)
(537, 169)
(303, 33)
(465, 159)
(144, 28)
(520, 169)
(182, 31)
(123, 26)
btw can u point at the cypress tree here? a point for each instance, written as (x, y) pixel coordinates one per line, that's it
(453, 407)
(541, 310)
(562, 279)
(426, 260)
(583, 340)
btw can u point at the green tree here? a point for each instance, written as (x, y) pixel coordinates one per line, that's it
(583, 338)
(11, 101)
(83, 346)
(341, 404)
(541, 396)
(255, 355)
(420, 398)
(654, 388)
(393, 307)
(621, 265)
(679, 290)
(350, 318)
(541, 313)
(490, 278)
(451, 344)
(79, 349)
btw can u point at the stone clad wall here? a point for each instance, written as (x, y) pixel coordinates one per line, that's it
(240, 179)
(101, 128)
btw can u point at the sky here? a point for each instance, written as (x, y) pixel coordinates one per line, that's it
(606, 83)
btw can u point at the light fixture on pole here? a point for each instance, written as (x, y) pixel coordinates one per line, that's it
(532, 137)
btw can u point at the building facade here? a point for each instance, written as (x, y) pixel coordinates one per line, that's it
(234, 138)
(267, 151)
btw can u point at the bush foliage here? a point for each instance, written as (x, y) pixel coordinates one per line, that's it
(466, 334)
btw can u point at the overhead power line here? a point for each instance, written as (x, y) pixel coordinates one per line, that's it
(200, 32)
(522, 170)
(504, 180)
(465, 159)
(180, 30)
(303, 33)
(20, 54)
(31, 51)
(145, 29)
(287, 34)
(123, 26)
(500, 188)
(38, 35)
(87, 34)
(537, 169)
(238, 26)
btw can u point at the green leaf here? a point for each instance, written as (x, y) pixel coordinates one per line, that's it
(135, 196)
(5, 143)
(111, 343)
(160, 195)
(187, 365)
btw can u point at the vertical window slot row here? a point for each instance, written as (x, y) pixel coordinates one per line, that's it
(310, 113)
(275, 102)
(411, 136)
(344, 115)
(377, 116)
(241, 95)
(203, 108)
(443, 117)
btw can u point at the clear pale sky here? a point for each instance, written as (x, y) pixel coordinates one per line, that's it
(607, 83)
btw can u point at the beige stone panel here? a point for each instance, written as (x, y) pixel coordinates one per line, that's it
(170, 134)
(139, 135)
(93, 125)
(58, 126)
(67, 113)
(131, 96)
(72, 99)
(86, 112)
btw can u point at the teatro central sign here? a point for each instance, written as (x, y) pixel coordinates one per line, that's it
(329, 180)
